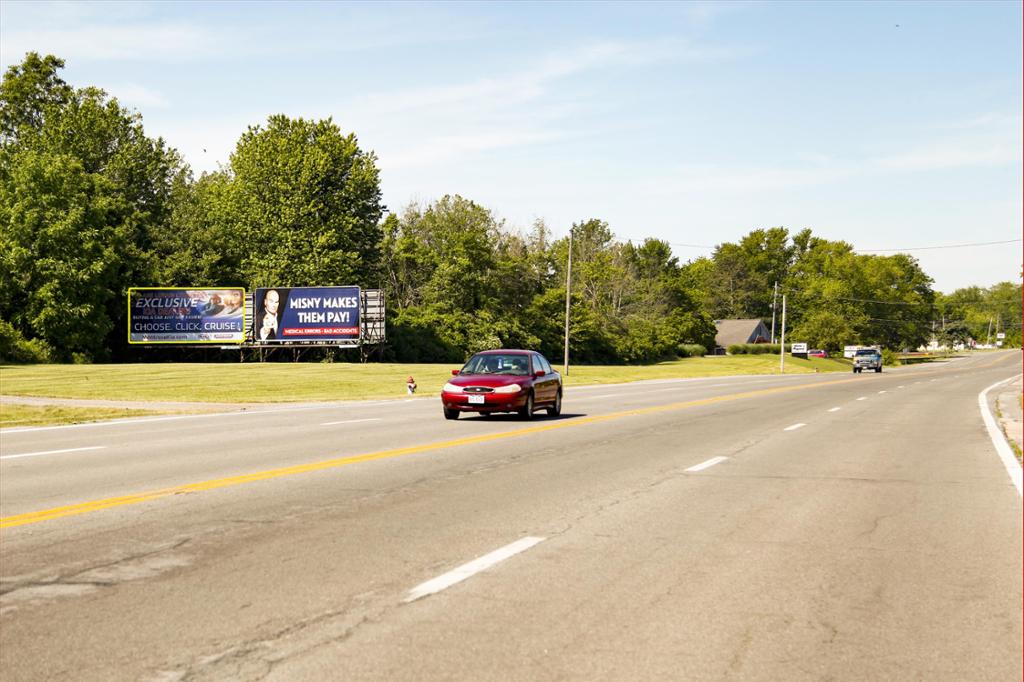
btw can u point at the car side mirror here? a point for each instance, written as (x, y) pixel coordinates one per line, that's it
(455, 372)
(539, 373)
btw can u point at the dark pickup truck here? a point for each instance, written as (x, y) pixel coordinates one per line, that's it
(867, 358)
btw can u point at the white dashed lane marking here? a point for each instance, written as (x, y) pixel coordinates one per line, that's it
(708, 464)
(835, 409)
(794, 427)
(351, 421)
(53, 452)
(470, 569)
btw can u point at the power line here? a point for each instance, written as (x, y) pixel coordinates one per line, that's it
(943, 246)
(869, 300)
(692, 246)
(910, 248)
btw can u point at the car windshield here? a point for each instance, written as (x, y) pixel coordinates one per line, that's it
(867, 352)
(514, 365)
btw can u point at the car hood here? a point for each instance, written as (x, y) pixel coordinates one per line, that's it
(489, 380)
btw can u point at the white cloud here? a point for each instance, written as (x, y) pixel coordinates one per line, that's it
(447, 147)
(429, 125)
(138, 96)
(979, 151)
(164, 42)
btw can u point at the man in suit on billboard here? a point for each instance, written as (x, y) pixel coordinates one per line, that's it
(267, 317)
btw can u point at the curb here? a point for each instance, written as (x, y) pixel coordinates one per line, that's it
(1002, 446)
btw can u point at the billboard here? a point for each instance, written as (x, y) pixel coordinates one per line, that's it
(183, 315)
(324, 314)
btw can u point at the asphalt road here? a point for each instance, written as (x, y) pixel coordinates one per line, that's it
(822, 527)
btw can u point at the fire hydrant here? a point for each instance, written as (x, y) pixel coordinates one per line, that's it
(410, 385)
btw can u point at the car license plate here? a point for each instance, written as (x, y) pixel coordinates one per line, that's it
(476, 400)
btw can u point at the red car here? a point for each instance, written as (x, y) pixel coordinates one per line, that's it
(817, 354)
(520, 381)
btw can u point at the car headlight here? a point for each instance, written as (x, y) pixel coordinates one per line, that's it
(452, 388)
(511, 388)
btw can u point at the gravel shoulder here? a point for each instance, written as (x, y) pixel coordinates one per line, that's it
(1010, 414)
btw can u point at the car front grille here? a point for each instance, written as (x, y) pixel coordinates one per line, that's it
(477, 389)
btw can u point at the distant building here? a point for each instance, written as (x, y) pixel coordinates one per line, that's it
(729, 332)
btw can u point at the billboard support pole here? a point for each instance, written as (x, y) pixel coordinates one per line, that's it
(568, 299)
(782, 343)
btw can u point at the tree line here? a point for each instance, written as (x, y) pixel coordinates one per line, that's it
(90, 206)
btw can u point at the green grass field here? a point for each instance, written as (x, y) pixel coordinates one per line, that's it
(298, 382)
(37, 415)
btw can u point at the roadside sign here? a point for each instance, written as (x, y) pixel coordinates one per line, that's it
(850, 351)
(307, 314)
(181, 315)
(799, 348)
(1001, 335)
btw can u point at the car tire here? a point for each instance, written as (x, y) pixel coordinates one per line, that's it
(451, 414)
(556, 407)
(527, 411)
(878, 369)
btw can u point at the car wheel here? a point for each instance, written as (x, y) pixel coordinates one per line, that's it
(451, 414)
(527, 411)
(878, 369)
(556, 408)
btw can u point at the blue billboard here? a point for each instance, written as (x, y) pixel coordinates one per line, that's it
(182, 315)
(325, 314)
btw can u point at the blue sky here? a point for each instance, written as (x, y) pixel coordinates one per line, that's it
(888, 125)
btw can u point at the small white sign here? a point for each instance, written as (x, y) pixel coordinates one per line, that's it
(850, 351)
(1001, 335)
(799, 348)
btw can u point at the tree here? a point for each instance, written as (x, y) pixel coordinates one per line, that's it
(955, 333)
(742, 280)
(305, 201)
(81, 190)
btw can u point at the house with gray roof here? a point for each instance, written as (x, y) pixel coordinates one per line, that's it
(729, 332)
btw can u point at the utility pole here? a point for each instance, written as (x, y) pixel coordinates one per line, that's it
(775, 295)
(782, 343)
(568, 299)
(988, 337)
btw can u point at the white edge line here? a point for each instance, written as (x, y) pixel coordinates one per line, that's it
(881, 392)
(351, 421)
(1013, 467)
(146, 420)
(794, 427)
(708, 464)
(205, 415)
(863, 397)
(835, 409)
(471, 568)
(54, 452)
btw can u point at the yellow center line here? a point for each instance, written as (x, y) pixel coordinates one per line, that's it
(1001, 358)
(107, 503)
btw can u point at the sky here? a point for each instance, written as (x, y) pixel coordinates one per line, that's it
(892, 126)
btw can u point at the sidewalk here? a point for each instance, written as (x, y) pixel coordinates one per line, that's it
(1011, 418)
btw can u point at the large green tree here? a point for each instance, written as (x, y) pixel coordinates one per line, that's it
(82, 189)
(305, 203)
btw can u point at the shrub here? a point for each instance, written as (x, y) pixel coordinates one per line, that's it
(890, 358)
(691, 350)
(755, 349)
(16, 348)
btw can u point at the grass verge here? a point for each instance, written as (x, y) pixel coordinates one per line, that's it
(297, 382)
(12, 415)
